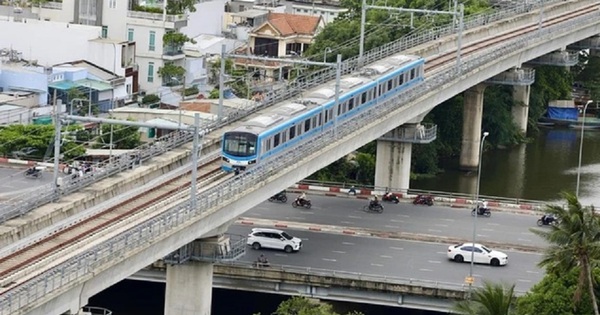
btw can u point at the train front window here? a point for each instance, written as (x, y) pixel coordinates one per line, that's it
(240, 144)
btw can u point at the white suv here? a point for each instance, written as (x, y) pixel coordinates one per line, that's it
(275, 239)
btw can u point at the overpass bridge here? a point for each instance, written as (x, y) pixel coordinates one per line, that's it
(67, 284)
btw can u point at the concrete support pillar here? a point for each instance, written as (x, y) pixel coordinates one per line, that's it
(189, 289)
(472, 114)
(392, 168)
(520, 108)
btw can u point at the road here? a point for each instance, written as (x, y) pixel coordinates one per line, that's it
(401, 258)
(13, 182)
(395, 258)
(405, 217)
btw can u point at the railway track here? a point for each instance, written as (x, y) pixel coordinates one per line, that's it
(24, 263)
(30, 260)
(440, 61)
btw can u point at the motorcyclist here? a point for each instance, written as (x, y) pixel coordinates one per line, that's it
(32, 170)
(547, 219)
(375, 202)
(302, 199)
(484, 205)
(262, 261)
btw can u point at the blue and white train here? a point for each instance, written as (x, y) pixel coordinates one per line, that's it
(288, 122)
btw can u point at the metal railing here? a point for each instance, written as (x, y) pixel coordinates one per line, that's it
(200, 250)
(102, 256)
(94, 310)
(357, 276)
(156, 16)
(21, 205)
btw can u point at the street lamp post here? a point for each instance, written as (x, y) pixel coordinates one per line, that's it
(485, 134)
(327, 50)
(581, 147)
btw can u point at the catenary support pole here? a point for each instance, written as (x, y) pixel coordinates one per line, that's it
(195, 161)
(221, 83)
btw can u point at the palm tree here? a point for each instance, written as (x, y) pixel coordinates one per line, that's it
(574, 242)
(491, 299)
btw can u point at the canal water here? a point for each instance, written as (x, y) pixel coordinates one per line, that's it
(539, 170)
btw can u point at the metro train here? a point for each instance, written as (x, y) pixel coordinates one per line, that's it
(288, 122)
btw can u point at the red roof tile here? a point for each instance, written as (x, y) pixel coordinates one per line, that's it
(290, 24)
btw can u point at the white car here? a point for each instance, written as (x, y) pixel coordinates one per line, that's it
(481, 254)
(274, 239)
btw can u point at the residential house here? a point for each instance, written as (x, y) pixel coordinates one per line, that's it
(283, 35)
(328, 13)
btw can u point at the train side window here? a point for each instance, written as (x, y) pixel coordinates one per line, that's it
(401, 79)
(374, 92)
(351, 104)
(307, 125)
(275, 140)
(363, 98)
(412, 73)
(330, 114)
(292, 132)
(390, 85)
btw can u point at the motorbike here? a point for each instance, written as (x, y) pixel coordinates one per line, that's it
(281, 197)
(547, 220)
(389, 197)
(373, 207)
(423, 200)
(33, 173)
(482, 212)
(302, 203)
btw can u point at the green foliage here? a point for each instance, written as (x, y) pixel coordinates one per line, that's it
(16, 137)
(554, 295)
(574, 242)
(589, 74)
(171, 74)
(147, 9)
(181, 6)
(150, 99)
(303, 306)
(237, 79)
(491, 299)
(176, 39)
(124, 137)
(193, 90)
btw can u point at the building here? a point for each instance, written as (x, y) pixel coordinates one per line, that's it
(328, 13)
(283, 35)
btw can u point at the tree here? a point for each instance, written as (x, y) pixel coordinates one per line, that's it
(574, 243)
(554, 295)
(302, 306)
(171, 73)
(124, 137)
(39, 137)
(491, 299)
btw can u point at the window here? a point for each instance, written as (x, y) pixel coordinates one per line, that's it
(104, 31)
(306, 125)
(389, 85)
(240, 144)
(276, 141)
(292, 133)
(150, 72)
(112, 4)
(152, 41)
(130, 34)
(351, 104)
(363, 98)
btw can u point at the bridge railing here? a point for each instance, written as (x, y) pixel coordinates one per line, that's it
(358, 276)
(104, 255)
(22, 204)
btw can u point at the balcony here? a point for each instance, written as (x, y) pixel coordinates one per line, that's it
(171, 53)
(171, 21)
(52, 5)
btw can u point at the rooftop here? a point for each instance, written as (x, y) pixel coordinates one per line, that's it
(289, 24)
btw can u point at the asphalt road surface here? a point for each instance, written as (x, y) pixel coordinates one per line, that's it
(395, 258)
(502, 227)
(13, 182)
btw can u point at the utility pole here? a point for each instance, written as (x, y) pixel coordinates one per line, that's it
(221, 84)
(338, 72)
(57, 137)
(193, 187)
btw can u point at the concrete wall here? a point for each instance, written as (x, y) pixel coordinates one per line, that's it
(107, 55)
(208, 19)
(26, 78)
(68, 41)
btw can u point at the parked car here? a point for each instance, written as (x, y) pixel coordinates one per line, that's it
(481, 254)
(274, 239)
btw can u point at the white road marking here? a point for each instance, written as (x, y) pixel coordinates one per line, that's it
(449, 220)
(441, 253)
(377, 265)
(423, 269)
(396, 221)
(346, 222)
(347, 243)
(482, 235)
(329, 259)
(397, 248)
(295, 218)
(434, 261)
(432, 230)
(524, 280)
(403, 215)
(494, 224)
(441, 225)
(354, 217)
(487, 230)
(392, 226)
(524, 239)
(385, 256)
(338, 251)
(281, 255)
(534, 272)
